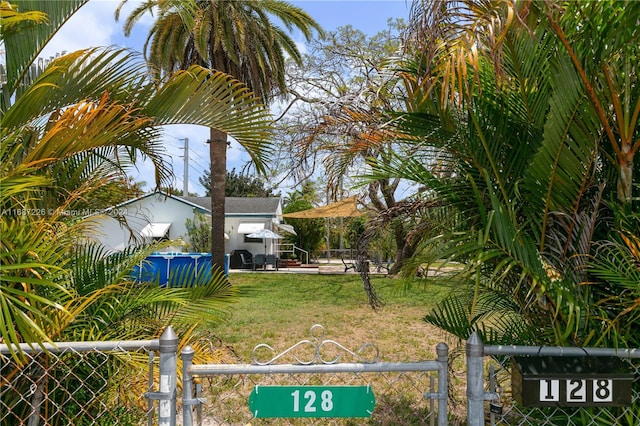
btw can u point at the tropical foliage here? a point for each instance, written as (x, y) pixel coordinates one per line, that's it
(239, 184)
(518, 136)
(69, 128)
(198, 233)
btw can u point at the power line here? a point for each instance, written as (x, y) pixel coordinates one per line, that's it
(202, 168)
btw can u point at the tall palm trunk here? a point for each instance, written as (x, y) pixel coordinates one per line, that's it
(625, 177)
(218, 156)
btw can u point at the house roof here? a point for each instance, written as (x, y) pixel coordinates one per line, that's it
(205, 209)
(204, 202)
(254, 206)
(240, 205)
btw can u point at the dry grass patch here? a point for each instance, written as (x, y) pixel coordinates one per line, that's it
(279, 310)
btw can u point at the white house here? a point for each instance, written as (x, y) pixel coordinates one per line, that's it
(162, 216)
(245, 215)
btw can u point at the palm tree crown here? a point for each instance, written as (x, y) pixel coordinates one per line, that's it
(237, 37)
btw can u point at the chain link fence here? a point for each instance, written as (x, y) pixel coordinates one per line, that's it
(125, 383)
(77, 383)
(504, 410)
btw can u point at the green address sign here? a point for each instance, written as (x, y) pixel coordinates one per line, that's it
(311, 401)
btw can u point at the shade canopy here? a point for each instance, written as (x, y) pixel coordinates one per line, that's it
(344, 208)
(265, 233)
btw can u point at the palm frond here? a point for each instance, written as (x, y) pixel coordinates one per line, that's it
(208, 293)
(615, 269)
(561, 172)
(82, 76)
(24, 46)
(108, 89)
(12, 20)
(215, 100)
(111, 304)
(494, 317)
(33, 288)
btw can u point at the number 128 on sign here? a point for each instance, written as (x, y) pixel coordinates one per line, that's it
(312, 401)
(310, 397)
(576, 391)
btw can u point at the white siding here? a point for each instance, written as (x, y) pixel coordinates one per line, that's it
(158, 208)
(153, 209)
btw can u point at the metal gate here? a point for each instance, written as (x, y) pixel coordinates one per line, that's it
(80, 382)
(312, 374)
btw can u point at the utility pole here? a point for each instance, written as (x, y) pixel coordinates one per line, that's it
(185, 183)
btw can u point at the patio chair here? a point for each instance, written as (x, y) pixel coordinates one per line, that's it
(272, 260)
(386, 265)
(259, 261)
(247, 261)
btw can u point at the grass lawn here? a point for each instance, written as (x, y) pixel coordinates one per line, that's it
(279, 310)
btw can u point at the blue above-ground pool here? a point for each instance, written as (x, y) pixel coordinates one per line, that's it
(161, 266)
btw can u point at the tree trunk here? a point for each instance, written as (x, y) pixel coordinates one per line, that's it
(218, 156)
(405, 249)
(625, 178)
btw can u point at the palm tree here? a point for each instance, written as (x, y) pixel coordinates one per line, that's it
(499, 98)
(71, 127)
(236, 37)
(473, 135)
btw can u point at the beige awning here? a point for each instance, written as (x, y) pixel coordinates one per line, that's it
(344, 208)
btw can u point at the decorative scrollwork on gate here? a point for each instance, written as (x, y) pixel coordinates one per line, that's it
(316, 350)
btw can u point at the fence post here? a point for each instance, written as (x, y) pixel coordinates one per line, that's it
(168, 375)
(442, 350)
(187, 386)
(475, 385)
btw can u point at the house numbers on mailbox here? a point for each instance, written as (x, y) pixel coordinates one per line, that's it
(577, 390)
(563, 381)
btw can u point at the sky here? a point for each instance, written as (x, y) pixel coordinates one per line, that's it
(94, 25)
